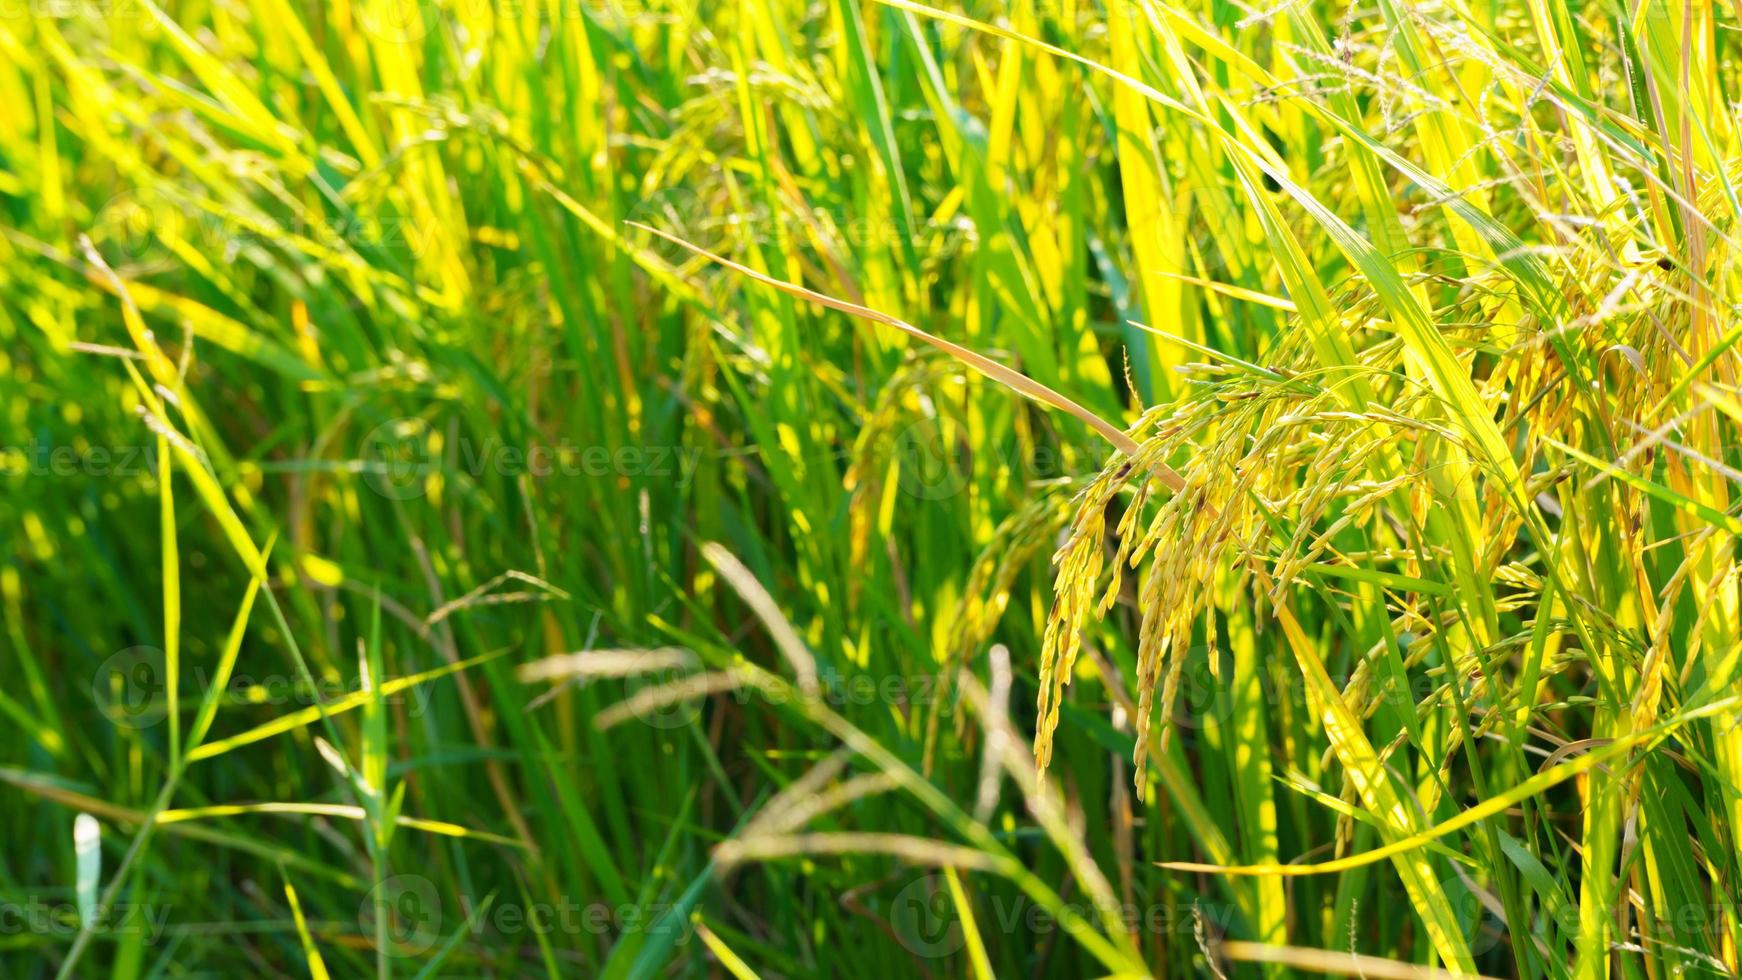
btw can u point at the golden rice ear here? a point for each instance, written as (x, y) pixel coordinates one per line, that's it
(1078, 564)
(1080, 560)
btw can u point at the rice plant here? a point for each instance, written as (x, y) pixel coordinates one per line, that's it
(502, 488)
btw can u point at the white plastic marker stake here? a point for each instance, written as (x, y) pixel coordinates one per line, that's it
(88, 848)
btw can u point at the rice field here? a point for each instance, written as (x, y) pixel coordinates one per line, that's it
(860, 488)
